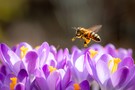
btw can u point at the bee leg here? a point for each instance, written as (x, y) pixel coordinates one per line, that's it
(87, 41)
(85, 44)
(73, 39)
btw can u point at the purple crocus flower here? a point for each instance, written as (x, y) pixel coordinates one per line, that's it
(46, 68)
(11, 82)
(118, 53)
(112, 73)
(78, 69)
(56, 80)
(10, 59)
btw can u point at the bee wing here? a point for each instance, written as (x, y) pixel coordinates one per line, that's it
(95, 28)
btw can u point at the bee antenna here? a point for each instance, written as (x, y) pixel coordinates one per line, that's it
(74, 28)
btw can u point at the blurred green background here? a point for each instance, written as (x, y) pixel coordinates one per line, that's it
(36, 21)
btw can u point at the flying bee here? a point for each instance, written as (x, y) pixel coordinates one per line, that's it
(87, 34)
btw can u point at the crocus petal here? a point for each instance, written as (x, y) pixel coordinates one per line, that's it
(31, 59)
(4, 87)
(110, 49)
(128, 61)
(3, 69)
(8, 55)
(96, 47)
(122, 53)
(3, 52)
(7, 80)
(27, 84)
(43, 53)
(75, 54)
(50, 58)
(20, 86)
(106, 58)
(66, 79)
(79, 64)
(66, 52)
(85, 85)
(46, 70)
(74, 48)
(38, 73)
(18, 50)
(130, 51)
(130, 81)
(2, 77)
(119, 77)
(89, 64)
(22, 74)
(107, 85)
(103, 72)
(61, 64)
(59, 55)
(13, 57)
(17, 66)
(39, 84)
(61, 72)
(53, 50)
(70, 86)
(52, 63)
(52, 80)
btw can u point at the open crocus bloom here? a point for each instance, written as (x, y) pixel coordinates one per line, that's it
(113, 70)
(23, 67)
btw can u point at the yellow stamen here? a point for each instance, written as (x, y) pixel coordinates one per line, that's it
(51, 69)
(23, 51)
(77, 86)
(113, 64)
(13, 83)
(93, 53)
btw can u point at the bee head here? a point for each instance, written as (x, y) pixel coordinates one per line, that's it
(78, 31)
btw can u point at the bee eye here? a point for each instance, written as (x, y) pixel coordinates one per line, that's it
(78, 33)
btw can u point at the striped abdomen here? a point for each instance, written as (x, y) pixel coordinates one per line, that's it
(95, 36)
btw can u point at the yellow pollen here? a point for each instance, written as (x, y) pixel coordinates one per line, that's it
(113, 64)
(93, 53)
(23, 51)
(76, 86)
(51, 69)
(13, 83)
